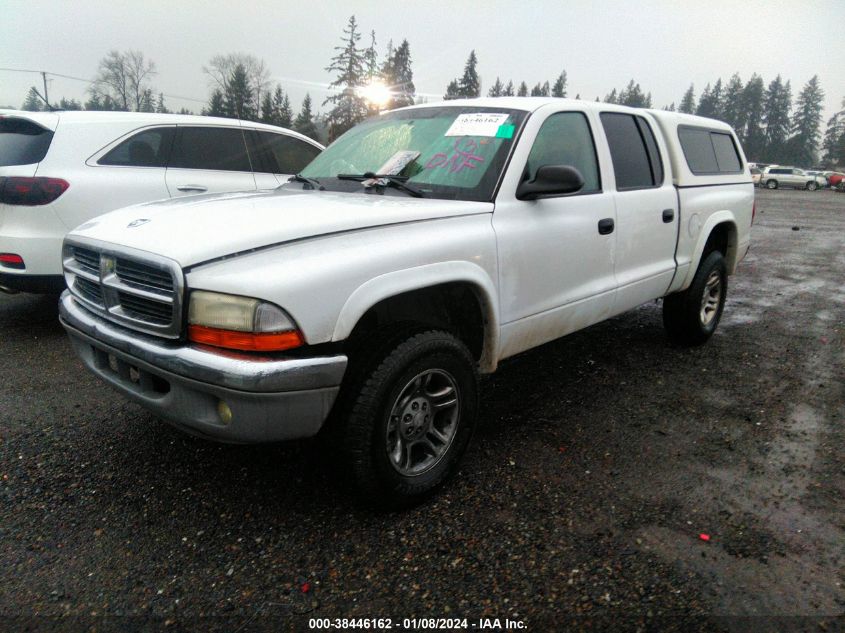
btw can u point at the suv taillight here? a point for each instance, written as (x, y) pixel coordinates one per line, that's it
(31, 192)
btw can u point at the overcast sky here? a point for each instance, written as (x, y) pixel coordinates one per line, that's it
(663, 44)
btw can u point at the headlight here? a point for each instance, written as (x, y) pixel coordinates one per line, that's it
(240, 323)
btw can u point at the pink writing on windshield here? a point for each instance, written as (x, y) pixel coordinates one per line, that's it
(461, 158)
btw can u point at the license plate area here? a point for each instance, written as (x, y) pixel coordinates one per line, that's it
(126, 372)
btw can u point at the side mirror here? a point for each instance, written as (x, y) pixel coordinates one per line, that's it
(551, 180)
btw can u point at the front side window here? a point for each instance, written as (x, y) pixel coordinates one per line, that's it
(217, 148)
(150, 148)
(448, 152)
(282, 154)
(565, 139)
(628, 149)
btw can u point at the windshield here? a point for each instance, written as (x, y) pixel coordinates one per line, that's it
(448, 152)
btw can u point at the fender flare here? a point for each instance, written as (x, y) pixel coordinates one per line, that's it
(719, 217)
(394, 283)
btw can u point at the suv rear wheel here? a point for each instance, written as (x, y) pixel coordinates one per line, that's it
(408, 415)
(690, 317)
(812, 185)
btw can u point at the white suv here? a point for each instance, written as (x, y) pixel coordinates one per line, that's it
(60, 169)
(777, 176)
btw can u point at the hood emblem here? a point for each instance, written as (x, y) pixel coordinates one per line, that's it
(138, 222)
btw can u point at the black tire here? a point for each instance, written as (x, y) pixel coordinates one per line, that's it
(684, 312)
(371, 391)
(812, 185)
(771, 184)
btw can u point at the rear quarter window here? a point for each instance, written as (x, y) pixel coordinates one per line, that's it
(150, 148)
(709, 151)
(22, 142)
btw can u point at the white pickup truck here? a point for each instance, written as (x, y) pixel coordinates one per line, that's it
(361, 299)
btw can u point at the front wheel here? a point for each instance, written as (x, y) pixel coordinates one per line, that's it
(771, 184)
(690, 317)
(412, 411)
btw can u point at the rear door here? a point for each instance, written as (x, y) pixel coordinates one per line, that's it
(646, 210)
(209, 159)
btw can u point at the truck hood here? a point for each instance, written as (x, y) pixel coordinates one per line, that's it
(196, 229)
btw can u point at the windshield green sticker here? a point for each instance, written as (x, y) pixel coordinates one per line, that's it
(505, 131)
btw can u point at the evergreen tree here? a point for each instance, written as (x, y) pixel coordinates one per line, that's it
(497, 89)
(523, 90)
(706, 105)
(267, 109)
(216, 105)
(304, 123)
(453, 91)
(754, 136)
(611, 98)
(350, 65)
(69, 104)
(160, 107)
(398, 75)
(148, 102)
(277, 105)
(777, 106)
(633, 96)
(537, 91)
(806, 124)
(559, 87)
(469, 85)
(285, 113)
(239, 97)
(717, 99)
(833, 146)
(670, 107)
(371, 59)
(733, 108)
(688, 101)
(508, 91)
(33, 102)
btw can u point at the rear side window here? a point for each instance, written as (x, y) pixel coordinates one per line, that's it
(281, 154)
(632, 158)
(708, 151)
(565, 139)
(150, 148)
(217, 148)
(22, 142)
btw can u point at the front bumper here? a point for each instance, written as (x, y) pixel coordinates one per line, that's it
(269, 399)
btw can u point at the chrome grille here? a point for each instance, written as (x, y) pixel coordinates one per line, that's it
(133, 288)
(143, 276)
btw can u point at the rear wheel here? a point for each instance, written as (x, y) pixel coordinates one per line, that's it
(771, 184)
(690, 317)
(410, 413)
(812, 185)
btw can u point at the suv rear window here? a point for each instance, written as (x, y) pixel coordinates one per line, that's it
(22, 142)
(708, 151)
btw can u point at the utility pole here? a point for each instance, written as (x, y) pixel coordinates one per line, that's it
(46, 99)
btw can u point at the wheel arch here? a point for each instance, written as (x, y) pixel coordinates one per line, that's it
(458, 293)
(719, 233)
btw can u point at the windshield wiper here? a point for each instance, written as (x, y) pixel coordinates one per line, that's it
(388, 179)
(315, 184)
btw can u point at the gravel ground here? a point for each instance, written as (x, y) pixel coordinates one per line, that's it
(602, 459)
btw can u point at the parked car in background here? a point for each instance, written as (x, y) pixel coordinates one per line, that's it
(755, 176)
(74, 166)
(819, 174)
(834, 178)
(780, 176)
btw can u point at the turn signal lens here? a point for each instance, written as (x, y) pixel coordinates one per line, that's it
(245, 341)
